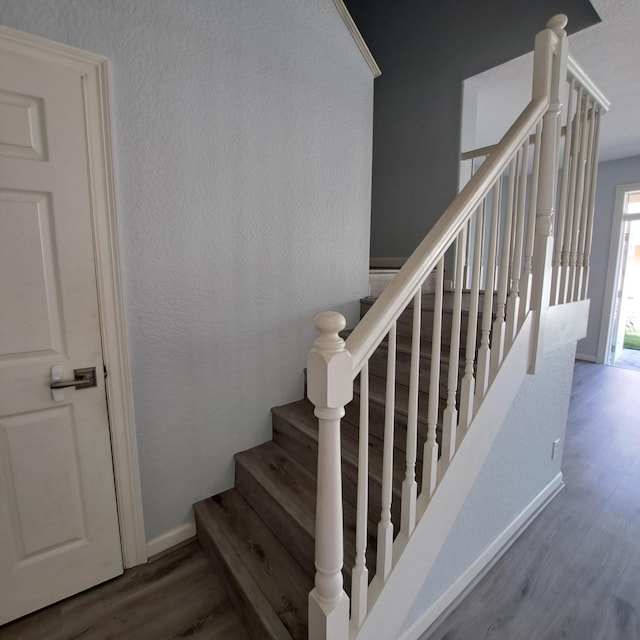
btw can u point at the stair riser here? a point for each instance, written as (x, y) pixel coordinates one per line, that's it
(305, 451)
(404, 324)
(295, 538)
(378, 367)
(234, 590)
(235, 582)
(399, 441)
(404, 331)
(351, 420)
(376, 420)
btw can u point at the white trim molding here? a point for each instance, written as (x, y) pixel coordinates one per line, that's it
(357, 37)
(457, 591)
(604, 341)
(93, 69)
(112, 318)
(171, 538)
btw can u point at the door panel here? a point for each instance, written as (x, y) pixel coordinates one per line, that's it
(21, 126)
(45, 499)
(31, 324)
(58, 519)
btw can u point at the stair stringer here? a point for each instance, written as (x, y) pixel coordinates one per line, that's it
(389, 602)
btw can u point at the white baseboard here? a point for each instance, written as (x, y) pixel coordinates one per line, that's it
(586, 357)
(170, 539)
(445, 604)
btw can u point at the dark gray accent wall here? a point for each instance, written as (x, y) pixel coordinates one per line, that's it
(425, 50)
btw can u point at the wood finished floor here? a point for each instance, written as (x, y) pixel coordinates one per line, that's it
(176, 596)
(574, 574)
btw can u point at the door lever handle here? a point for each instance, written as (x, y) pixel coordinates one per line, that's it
(83, 379)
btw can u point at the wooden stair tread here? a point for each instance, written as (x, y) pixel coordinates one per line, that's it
(378, 367)
(428, 301)
(378, 394)
(269, 518)
(300, 415)
(404, 345)
(288, 482)
(287, 505)
(268, 585)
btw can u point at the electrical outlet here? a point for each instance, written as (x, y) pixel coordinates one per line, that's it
(555, 448)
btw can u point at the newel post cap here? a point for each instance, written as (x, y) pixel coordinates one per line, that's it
(329, 365)
(557, 23)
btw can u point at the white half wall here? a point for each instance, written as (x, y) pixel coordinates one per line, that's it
(516, 470)
(242, 134)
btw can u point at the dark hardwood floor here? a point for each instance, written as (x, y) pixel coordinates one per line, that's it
(574, 574)
(175, 596)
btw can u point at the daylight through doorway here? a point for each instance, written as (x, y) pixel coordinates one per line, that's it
(625, 338)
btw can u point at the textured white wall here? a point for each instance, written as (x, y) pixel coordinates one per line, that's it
(610, 175)
(518, 467)
(243, 160)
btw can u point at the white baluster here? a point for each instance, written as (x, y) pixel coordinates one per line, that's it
(360, 574)
(430, 456)
(467, 387)
(525, 298)
(450, 418)
(330, 387)
(409, 484)
(592, 194)
(467, 256)
(577, 211)
(586, 188)
(513, 301)
(385, 527)
(557, 261)
(484, 353)
(499, 324)
(567, 257)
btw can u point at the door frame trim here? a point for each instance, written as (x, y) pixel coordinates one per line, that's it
(604, 342)
(94, 71)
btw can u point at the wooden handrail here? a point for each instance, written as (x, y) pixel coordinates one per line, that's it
(574, 70)
(472, 154)
(369, 332)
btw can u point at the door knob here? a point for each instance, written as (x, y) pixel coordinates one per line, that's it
(82, 379)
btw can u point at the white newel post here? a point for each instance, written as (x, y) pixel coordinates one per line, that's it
(330, 387)
(550, 71)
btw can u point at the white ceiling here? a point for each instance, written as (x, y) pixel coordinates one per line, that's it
(610, 54)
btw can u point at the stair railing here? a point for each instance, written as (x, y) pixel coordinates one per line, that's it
(576, 200)
(500, 227)
(575, 204)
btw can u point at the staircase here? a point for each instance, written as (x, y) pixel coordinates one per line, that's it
(260, 535)
(333, 525)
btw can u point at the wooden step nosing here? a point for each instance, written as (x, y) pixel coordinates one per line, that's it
(267, 482)
(350, 453)
(242, 588)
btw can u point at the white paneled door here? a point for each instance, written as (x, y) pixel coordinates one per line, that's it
(58, 519)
